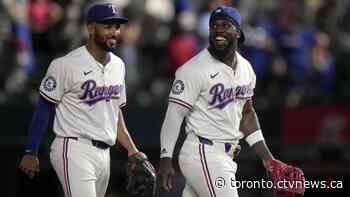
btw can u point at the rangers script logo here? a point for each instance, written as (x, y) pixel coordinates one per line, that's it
(93, 93)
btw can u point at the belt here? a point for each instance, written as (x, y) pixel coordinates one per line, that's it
(207, 141)
(96, 143)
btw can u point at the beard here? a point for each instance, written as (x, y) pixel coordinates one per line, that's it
(106, 44)
(222, 52)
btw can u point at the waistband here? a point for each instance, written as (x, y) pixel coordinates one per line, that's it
(97, 143)
(228, 147)
(207, 141)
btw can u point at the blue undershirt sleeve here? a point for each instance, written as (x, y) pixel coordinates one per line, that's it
(42, 118)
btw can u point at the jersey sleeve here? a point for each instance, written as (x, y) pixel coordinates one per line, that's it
(54, 83)
(123, 91)
(252, 83)
(186, 87)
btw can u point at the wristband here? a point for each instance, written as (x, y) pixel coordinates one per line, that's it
(254, 137)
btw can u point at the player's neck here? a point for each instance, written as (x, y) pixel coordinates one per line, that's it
(230, 59)
(98, 54)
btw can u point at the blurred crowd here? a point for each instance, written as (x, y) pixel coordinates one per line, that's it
(299, 49)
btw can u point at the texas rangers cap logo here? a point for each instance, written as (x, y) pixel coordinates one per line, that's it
(50, 84)
(114, 9)
(178, 87)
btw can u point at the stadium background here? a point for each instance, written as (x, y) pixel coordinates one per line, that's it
(299, 50)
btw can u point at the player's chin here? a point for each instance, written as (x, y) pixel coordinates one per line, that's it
(111, 44)
(220, 52)
(110, 48)
(219, 46)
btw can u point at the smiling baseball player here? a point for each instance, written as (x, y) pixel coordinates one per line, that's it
(84, 91)
(213, 93)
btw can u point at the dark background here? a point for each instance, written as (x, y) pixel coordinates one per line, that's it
(299, 50)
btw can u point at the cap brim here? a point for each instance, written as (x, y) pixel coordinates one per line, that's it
(120, 20)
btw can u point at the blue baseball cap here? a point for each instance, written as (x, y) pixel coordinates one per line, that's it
(104, 13)
(232, 14)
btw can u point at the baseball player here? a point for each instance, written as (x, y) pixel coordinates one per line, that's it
(84, 91)
(213, 93)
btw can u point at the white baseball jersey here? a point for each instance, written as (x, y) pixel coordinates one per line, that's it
(215, 94)
(88, 95)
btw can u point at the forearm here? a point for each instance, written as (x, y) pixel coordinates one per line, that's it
(171, 128)
(123, 136)
(262, 150)
(250, 122)
(250, 126)
(42, 115)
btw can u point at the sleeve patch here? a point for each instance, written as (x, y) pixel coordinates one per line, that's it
(178, 87)
(50, 84)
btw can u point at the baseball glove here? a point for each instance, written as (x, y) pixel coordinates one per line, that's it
(288, 181)
(141, 176)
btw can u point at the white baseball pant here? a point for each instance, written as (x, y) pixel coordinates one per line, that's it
(82, 169)
(208, 169)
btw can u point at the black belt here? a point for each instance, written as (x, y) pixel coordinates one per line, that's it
(207, 141)
(96, 143)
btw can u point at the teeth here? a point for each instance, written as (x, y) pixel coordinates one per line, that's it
(112, 41)
(220, 38)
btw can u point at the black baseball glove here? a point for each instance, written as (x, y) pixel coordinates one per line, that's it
(141, 176)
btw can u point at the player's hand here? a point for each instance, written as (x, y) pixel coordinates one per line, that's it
(237, 151)
(30, 165)
(166, 173)
(267, 164)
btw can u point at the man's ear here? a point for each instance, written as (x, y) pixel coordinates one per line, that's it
(238, 34)
(91, 28)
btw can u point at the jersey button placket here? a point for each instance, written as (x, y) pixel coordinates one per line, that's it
(105, 80)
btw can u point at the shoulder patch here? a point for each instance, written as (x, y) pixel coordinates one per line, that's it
(178, 87)
(50, 84)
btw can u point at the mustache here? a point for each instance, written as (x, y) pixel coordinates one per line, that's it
(214, 35)
(221, 53)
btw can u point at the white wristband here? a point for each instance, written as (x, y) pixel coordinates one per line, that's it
(165, 153)
(254, 137)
